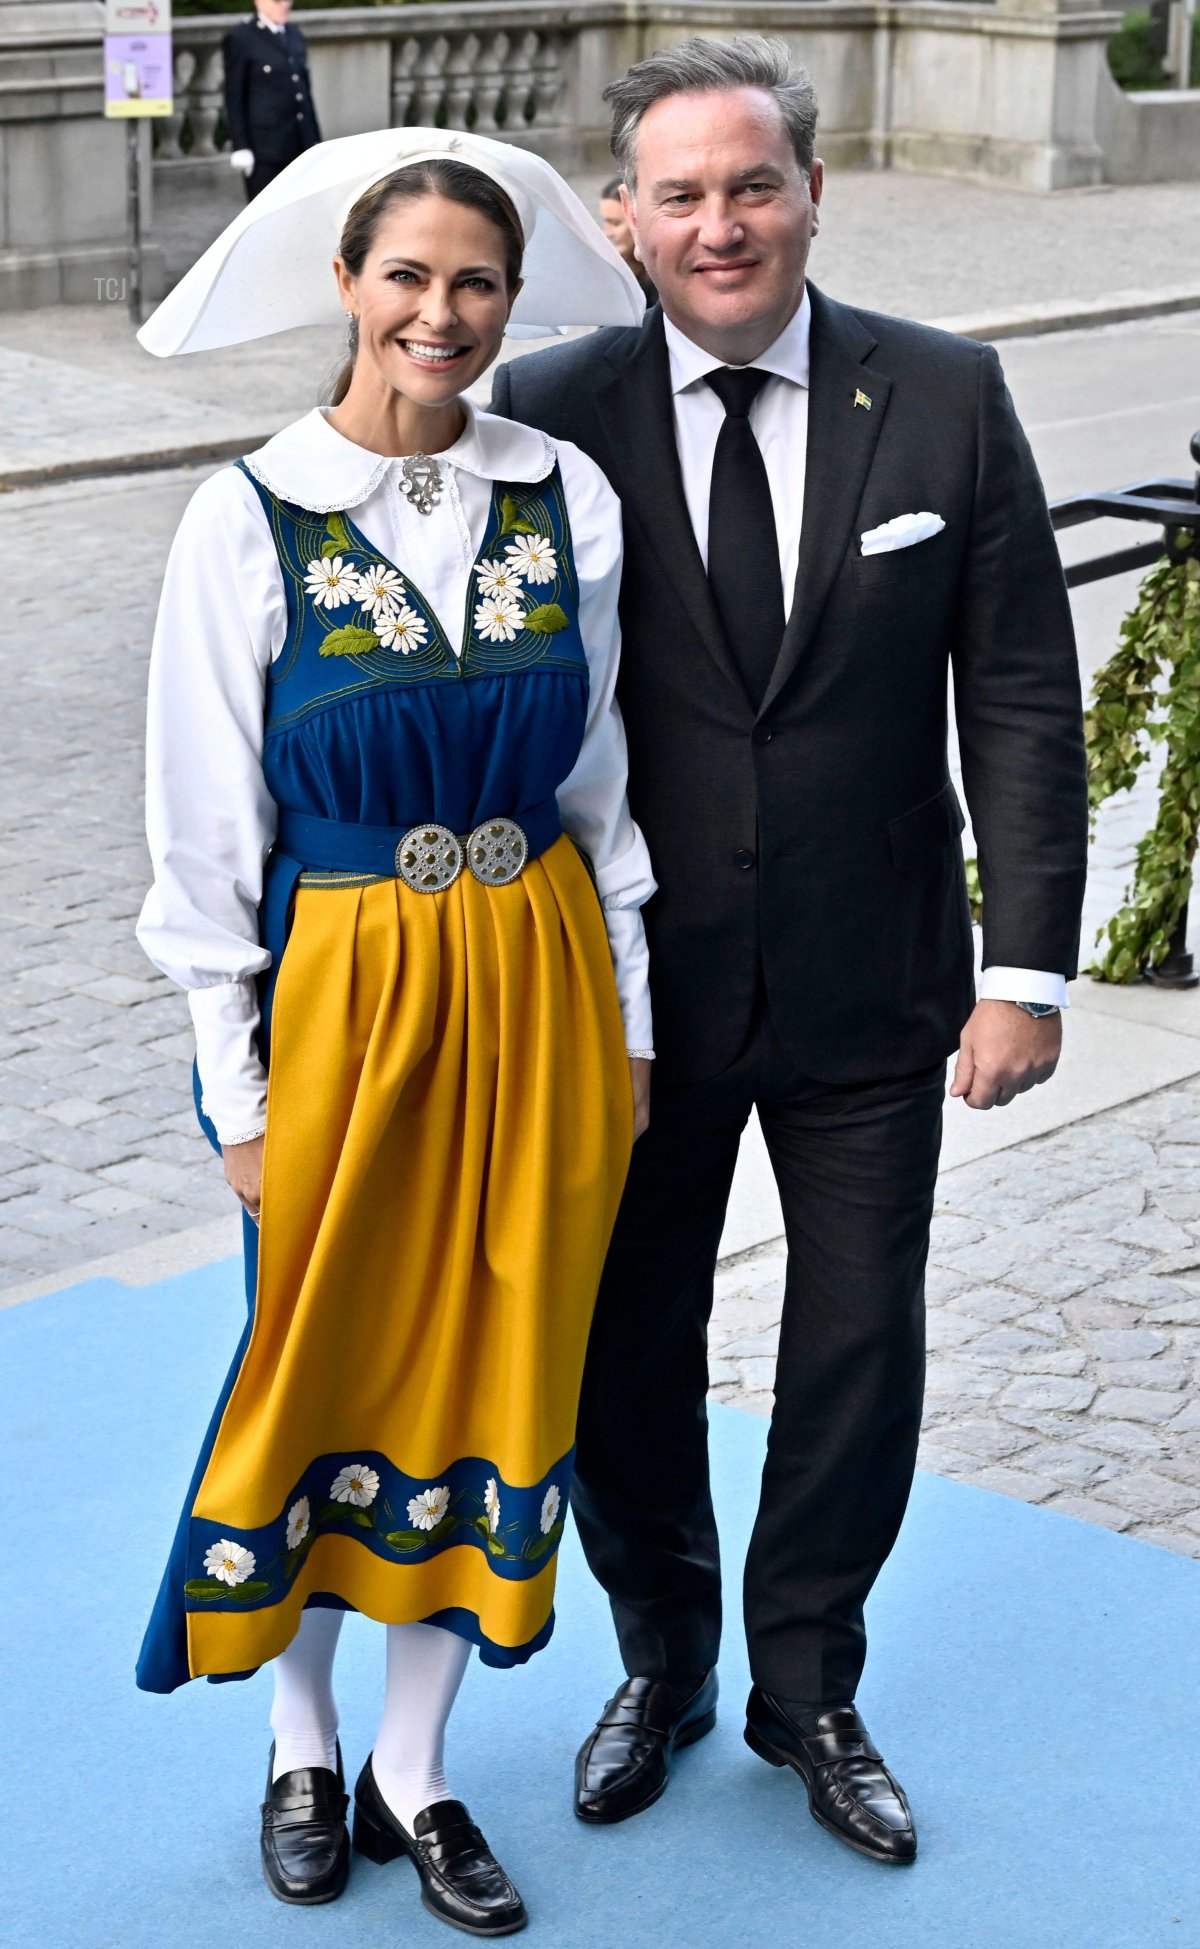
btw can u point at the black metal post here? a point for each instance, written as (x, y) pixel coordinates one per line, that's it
(134, 206)
(1177, 970)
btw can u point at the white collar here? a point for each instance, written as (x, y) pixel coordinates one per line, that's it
(314, 466)
(272, 26)
(787, 357)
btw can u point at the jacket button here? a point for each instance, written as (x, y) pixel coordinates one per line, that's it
(762, 734)
(743, 858)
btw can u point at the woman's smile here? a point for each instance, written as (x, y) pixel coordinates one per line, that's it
(428, 353)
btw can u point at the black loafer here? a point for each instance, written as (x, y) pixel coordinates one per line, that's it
(624, 1765)
(461, 1881)
(850, 1790)
(305, 1847)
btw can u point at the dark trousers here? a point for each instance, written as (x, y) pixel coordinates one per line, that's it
(855, 1166)
(265, 172)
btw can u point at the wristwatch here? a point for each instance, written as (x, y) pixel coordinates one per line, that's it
(1038, 1009)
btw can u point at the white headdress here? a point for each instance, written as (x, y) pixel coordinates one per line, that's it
(270, 269)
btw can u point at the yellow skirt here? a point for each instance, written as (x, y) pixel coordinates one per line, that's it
(448, 1132)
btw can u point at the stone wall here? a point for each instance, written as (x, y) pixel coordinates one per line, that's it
(62, 166)
(1011, 90)
(994, 88)
(1149, 138)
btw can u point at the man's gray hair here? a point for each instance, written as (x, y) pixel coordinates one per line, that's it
(701, 67)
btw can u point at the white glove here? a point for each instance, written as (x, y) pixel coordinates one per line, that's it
(242, 159)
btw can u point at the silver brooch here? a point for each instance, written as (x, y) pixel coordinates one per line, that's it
(421, 482)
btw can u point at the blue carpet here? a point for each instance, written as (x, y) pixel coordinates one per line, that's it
(1032, 1680)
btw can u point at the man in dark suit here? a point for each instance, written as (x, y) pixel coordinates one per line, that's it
(825, 510)
(268, 96)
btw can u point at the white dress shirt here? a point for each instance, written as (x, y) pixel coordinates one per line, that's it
(779, 420)
(223, 619)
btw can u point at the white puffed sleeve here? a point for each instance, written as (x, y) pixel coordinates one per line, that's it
(592, 801)
(210, 820)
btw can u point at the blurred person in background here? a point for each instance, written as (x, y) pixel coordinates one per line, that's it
(619, 231)
(268, 95)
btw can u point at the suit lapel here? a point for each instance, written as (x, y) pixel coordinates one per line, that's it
(842, 438)
(637, 414)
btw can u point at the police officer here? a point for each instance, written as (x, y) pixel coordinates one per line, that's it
(268, 96)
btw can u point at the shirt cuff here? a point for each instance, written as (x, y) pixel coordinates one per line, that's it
(233, 1081)
(627, 881)
(631, 965)
(1023, 985)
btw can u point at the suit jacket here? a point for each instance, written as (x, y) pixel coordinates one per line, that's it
(268, 95)
(810, 848)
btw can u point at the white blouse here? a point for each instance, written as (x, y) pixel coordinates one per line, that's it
(222, 620)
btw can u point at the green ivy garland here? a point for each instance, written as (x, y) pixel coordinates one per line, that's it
(1148, 692)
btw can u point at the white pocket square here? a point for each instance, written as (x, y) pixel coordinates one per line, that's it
(902, 532)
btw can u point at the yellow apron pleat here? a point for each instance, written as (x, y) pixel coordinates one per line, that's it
(448, 1132)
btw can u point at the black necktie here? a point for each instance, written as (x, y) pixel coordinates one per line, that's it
(743, 546)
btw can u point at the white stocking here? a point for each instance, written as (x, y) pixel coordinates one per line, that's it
(425, 1667)
(304, 1717)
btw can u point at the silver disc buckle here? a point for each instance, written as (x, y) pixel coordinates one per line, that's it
(429, 858)
(497, 852)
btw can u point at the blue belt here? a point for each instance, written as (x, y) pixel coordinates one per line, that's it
(303, 841)
(342, 846)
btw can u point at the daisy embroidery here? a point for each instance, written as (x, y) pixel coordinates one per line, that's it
(400, 629)
(380, 589)
(228, 1562)
(533, 558)
(357, 1484)
(550, 1507)
(426, 1510)
(491, 1503)
(498, 579)
(498, 619)
(297, 1523)
(331, 581)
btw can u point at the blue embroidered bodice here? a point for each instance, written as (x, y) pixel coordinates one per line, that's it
(372, 718)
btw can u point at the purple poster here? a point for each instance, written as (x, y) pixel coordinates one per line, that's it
(137, 74)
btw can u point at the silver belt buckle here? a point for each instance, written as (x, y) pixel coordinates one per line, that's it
(497, 852)
(429, 858)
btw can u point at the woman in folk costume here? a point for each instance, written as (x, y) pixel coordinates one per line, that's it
(383, 732)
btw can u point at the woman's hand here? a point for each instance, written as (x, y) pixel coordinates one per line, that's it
(243, 1172)
(639, 1076)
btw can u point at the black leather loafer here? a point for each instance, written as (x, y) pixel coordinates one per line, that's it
(461, 1881)
(850, 1791)
(624, 1765)
(305, 1846)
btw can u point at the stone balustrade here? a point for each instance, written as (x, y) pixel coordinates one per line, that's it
(500, 69)
(1008, 89)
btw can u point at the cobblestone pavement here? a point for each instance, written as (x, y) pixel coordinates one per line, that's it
(98, 1146)
(1064, 1322)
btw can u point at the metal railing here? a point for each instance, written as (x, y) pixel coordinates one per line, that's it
(1174, 506)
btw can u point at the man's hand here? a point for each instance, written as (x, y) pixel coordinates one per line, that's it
(639, 1076)
(1003, 1052)
(242, 160)
(243, 1173)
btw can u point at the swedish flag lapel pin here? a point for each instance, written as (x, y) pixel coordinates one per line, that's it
(863, 399)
